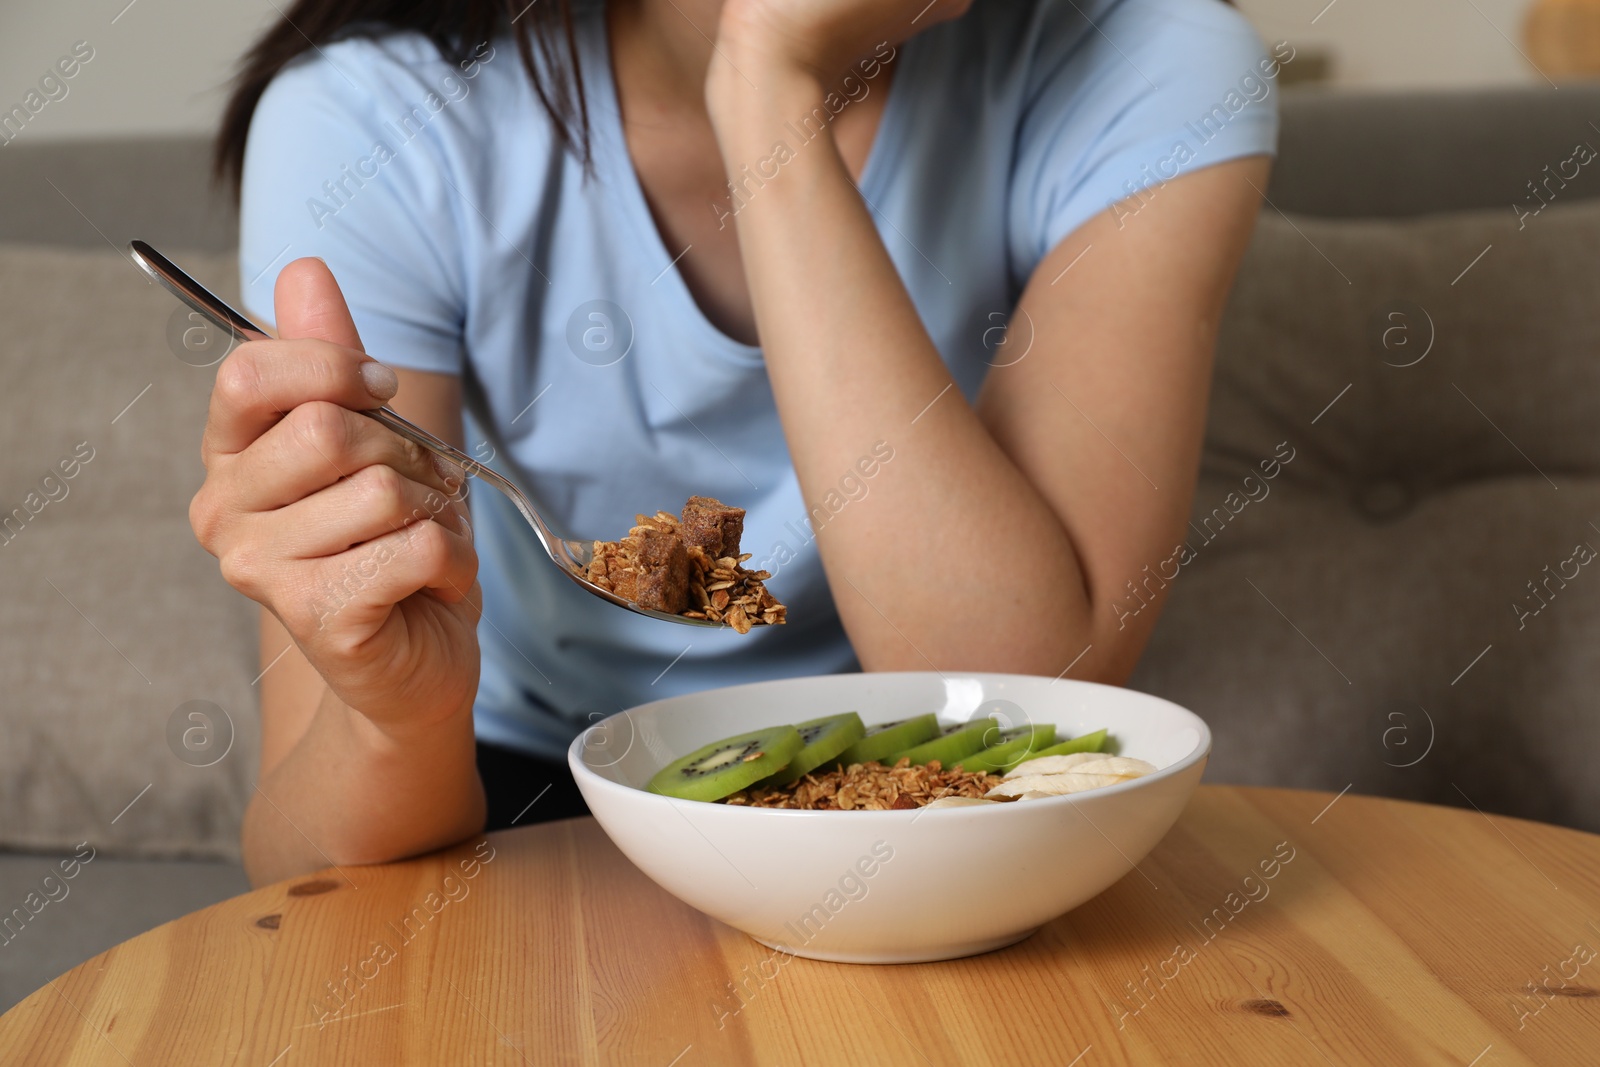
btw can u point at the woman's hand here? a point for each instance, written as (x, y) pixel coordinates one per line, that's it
(356, 539)
(820, 38)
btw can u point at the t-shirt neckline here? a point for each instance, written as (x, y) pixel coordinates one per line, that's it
(622, 180)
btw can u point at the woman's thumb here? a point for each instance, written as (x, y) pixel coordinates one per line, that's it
(308, 303)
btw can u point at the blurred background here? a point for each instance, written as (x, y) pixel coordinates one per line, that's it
(161, 62)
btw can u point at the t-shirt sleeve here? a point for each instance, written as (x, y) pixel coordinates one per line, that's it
(334, 169)
(1122, 98)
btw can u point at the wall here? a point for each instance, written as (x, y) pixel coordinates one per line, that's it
(159, 64)
(1408, 44)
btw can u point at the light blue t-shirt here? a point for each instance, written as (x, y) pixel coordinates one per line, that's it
(466, 242)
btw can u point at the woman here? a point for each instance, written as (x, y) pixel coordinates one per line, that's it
(983, 252)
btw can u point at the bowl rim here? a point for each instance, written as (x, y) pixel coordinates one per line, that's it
(1200, 753)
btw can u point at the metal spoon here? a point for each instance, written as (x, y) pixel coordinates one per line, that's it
(572, 557)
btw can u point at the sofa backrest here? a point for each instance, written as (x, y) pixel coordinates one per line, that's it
(1385, 155)
(95, 193)
(1341, 155)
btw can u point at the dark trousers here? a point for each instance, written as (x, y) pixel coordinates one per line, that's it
(523, 789)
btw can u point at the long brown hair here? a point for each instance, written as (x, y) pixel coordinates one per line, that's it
(455, 27)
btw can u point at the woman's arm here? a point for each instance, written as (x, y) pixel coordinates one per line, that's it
(1002, 535)
(332, 788)
(357, 548)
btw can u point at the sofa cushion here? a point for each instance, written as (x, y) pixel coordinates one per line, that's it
(112, 618)
(1437, 381)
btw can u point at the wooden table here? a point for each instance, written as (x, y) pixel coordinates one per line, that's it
(1388, 933)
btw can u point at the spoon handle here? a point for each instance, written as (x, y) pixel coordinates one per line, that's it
(220, 314)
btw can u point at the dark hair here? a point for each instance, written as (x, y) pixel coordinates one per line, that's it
(455, 27)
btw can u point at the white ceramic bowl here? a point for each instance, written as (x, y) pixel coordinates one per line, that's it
(890, 886)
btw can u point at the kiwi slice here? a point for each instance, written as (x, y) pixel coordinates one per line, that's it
(953, 743)
(886, 738)
(727, 766)
(823, 739)
(1015, 745)
(1087, 743)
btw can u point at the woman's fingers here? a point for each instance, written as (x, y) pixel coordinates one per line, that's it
(375, 501)
(319, 357)
(262, 381)
(351, 535)
(319, 443)
(309, 303)
(351, 595)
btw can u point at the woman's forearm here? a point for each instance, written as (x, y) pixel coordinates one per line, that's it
(351, 793)
(953, 559)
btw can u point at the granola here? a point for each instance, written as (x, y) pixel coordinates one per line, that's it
(870, 787)
(688, 565)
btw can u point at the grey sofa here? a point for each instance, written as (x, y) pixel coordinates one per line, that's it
(1400, 607)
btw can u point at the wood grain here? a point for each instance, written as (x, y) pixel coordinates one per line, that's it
(1387, 933)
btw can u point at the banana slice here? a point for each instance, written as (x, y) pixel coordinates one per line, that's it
(1123, 765)
(1054, 764)
(957, 802)
(1055, 784)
